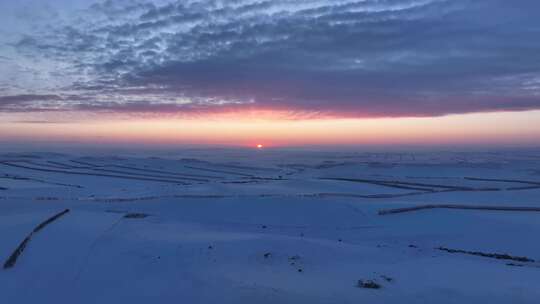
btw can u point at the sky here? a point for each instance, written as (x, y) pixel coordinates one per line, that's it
(278, 72)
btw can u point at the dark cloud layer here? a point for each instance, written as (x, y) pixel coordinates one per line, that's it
(345, 58)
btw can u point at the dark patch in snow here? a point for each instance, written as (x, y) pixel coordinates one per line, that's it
(136, 215)
(503, 180)
(515, 265)
(463, 207)
(294, 258)
(19, 250)
(498, 256)
(370, 284)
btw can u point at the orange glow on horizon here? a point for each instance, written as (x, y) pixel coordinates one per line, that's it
(478, 128)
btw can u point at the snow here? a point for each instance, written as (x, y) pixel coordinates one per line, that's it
(269, 227)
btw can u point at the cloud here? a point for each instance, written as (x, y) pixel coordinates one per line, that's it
(342, 58)
(39, 122)
(17, 103)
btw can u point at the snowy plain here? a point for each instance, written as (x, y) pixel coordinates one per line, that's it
(268, 226)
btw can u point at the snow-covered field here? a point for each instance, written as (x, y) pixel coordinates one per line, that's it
(235, 226)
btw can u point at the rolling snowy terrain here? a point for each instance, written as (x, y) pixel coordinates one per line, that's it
(264, 226)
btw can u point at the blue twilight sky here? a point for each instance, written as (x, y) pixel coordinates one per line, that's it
(342, 58)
